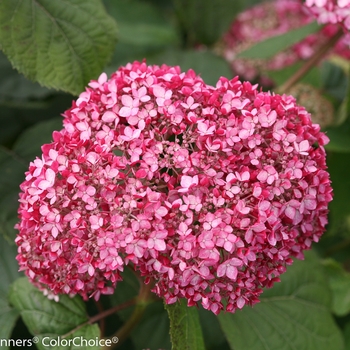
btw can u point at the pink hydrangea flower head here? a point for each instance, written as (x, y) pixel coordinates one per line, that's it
(269, 19)
(331, 11)
(208, 192)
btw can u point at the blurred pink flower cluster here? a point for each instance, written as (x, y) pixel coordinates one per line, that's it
(269, 19)
(207, 191)
(331, 11)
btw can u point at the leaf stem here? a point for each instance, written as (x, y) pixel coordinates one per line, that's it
(102, 315)
(312, 61)
(112, 310)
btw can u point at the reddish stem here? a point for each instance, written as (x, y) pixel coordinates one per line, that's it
(312, 61)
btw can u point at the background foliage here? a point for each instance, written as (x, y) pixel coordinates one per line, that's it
(62, 45)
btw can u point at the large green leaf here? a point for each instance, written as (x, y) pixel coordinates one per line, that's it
(144, 335)
(143, 31)
(293, 315)
(28, 144)
(60, 44)
(338, 167)
(126, 52)
(85, 337)
(334, 80)
(15, 86)
(208, 65)
(8, 318)
(214, 338)
(339, 281)
(185, 328)
(13, 164)
(271, 46)
(141, 24)
(340, 139)
(8, 265)
(337, 84)
(43, 315)
(347, 336)
(11, 175)
(49, 320)
(204, 21)
(8, 273)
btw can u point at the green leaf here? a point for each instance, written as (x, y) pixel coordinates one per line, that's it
(144, 336)
(14, 163)
(10, 126)
(11, 175)
(8, 318)
(343, 112)
(42, 315)
(125, 53)
(143, 31)
(208, 65)
(48, 319)
(214, 338)
(347, 336)
(8, 265)
(185, 328)
(336, 83)
(147, 34)
(271, 46)
(339, 281)
(28, 144)
(204, 21)
(60, 44)
(15, 86)
(79, 339)
(293, 315)
(338, 167)
(205, 63)
(8, 273)
(339, 139)
(141, 24)
(334, 80)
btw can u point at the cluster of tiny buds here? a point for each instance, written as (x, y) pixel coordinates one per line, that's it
(207, 192)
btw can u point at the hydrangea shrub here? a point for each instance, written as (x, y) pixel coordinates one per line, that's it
(207, 192)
